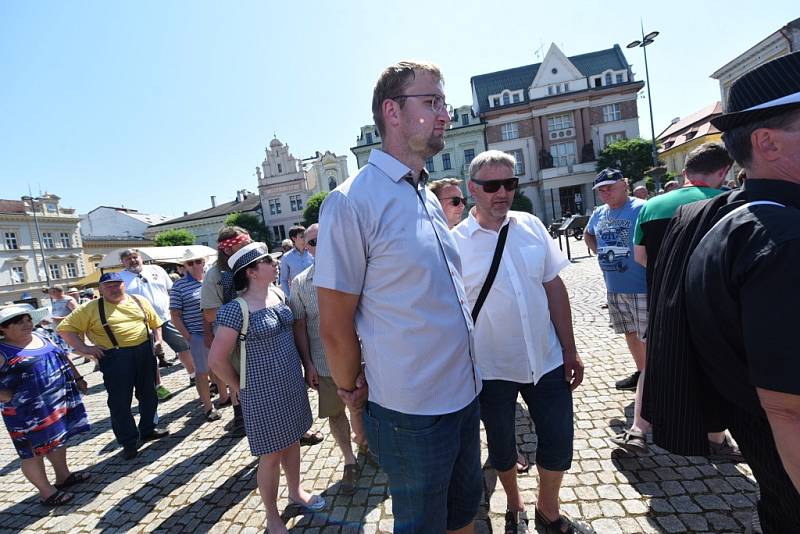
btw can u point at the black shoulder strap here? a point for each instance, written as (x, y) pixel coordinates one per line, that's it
(487, 284)
(144, 313)
(103, 321)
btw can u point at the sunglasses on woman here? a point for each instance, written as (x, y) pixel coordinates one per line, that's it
(455, 201)
(493, 186)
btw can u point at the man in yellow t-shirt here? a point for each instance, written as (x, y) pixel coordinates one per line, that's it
(125, 355)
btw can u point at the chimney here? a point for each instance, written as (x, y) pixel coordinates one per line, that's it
(185, 213)
(213, 201)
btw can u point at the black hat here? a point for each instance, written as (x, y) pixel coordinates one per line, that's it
(766, 91)
(607, 177)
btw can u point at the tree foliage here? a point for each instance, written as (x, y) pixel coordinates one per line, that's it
(631, 156)
(521, 202)
(251, 223)
(311, 213)
(174, 237)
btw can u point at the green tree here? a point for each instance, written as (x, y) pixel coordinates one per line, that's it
(632, 156)
(521, 202)
(251, 223)
(311, 213)
(175, 237)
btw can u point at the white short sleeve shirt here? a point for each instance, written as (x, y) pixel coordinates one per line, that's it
(515, 339)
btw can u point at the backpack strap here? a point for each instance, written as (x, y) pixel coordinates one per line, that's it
(242, 338)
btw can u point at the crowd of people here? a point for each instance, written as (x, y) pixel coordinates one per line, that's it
(416, 320)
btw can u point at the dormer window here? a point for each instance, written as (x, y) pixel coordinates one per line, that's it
(608, 78)
(369, 138)
(506, 99)
(495, 101)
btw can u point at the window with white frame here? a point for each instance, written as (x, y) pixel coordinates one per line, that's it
(469, 155)
(515, 98)
(446, 165)
(509, 131)
(506, 98)
(613, 138)
(612, 112)
(369, 138)
(563, 154)
(429, 164)
(279, 232)
(274, 206)
(551, 90)
(495, 101)
(519, 167)
(11, 240)
(17, 274)
(47, 240)
(465, 119)
(65, 240)
(72, 270)
(295, 202)
(55, 272)
(619, 78)
(607, 78)
(51, 208)
(560, 122)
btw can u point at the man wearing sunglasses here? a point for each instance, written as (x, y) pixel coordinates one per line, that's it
(388, 274)
(451, 198)
(524, 342)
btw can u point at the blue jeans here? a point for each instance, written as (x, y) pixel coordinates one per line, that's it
(550, 406)
(125, 370)
(433, 465)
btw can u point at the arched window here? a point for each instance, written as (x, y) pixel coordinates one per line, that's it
(608, 78)
(506, 99)
(331, 183)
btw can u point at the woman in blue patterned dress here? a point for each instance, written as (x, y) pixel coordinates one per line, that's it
(273, 394)
(41, 403)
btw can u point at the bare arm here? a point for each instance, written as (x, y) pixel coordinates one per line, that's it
(561, 316)
(337, 312)
(177, 320)
(301, 341)
(783, 413)
(640, 255)
(76, 342)
(219, 356)
(591, 241)
(209, 316)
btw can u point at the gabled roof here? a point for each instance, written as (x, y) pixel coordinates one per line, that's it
(705, 114)
(251, 203)
(590, 64)
(147, 218)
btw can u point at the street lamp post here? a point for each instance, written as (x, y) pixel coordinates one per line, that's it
(38, 236)
(646, 40)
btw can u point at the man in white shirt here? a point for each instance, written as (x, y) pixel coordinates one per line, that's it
(523, 335)
(153, 283)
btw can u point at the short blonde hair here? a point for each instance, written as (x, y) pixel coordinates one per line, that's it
(490, 158)
(393, 81)
(437, 185)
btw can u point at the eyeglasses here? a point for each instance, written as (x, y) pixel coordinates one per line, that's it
(438, 102)
(312, 242)
(192, 262)
(493, 186)
(455, 201)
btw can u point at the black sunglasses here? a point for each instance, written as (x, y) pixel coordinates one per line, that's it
(312, 242)
(493, 186)
(455, 201)
(192, 262)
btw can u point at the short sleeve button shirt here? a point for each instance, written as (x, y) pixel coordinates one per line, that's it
(515, 339)
(387, 240)
(153, 283)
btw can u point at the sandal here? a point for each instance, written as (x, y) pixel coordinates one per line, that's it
(632, 441)
(562, 525)
(213, 415)
(57, 499)
(316, 503)
(524, 466)
(222, 404)
(72, 479)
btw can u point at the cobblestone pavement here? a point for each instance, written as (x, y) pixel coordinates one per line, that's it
(198, 479)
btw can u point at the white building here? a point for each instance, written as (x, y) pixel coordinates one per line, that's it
(25, 261)
(777, 44)
(109, 221)
(463, 140)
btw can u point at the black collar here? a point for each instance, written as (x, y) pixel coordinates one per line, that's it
(787, 193)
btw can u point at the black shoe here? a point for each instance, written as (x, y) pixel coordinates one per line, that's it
(236, 427)
(628, 384)
(191, 381)
(516, 523)
(162, 362)
(129, 452)
(311, 439)
(213, 390)
(157, 433)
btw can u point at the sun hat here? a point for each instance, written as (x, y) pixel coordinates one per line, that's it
(768, 90)
(189, 255)
(248, 254)
(37, 314)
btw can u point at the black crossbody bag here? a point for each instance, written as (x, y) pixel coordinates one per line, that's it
(487, 284)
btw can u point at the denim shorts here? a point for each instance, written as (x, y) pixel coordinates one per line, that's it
(550, 405)
(433, 464)
(199, 353)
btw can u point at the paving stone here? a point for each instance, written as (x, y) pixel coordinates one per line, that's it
(684, 504)
(671, 523)
(711, 502)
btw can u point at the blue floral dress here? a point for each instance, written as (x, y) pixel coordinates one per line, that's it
(46, 409)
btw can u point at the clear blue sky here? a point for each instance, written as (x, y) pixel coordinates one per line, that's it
(156, 105)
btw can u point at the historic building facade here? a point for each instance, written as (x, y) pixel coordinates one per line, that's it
(28, 258)
(555, 117)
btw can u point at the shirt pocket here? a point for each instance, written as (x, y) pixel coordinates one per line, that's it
(533, 261)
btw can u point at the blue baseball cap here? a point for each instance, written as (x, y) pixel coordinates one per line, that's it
(110, 277)
(607, 177)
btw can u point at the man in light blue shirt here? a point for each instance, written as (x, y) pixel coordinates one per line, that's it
(388, 273)
(296, 260)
